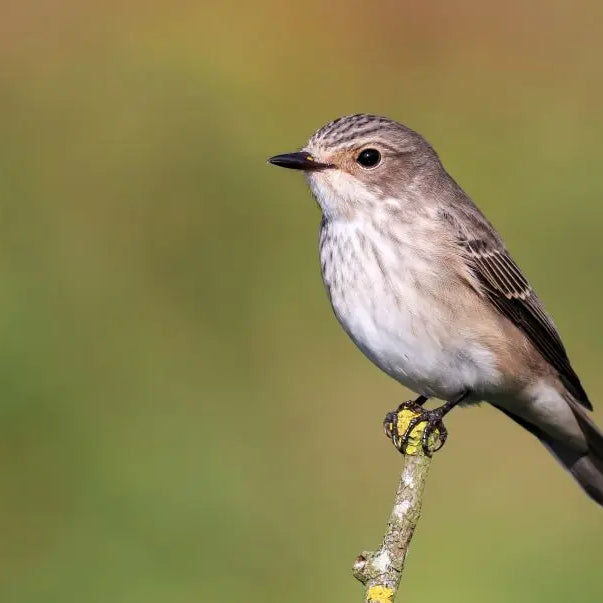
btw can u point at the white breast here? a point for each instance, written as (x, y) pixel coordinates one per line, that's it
(391, 300)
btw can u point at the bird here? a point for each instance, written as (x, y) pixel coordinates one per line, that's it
(425, 287)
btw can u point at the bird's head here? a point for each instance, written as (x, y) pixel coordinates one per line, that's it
(357, 162)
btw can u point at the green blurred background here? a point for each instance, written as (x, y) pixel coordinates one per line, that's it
(181, 418)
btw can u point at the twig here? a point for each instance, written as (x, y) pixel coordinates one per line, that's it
(381, 571)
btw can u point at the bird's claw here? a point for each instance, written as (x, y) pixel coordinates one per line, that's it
(390, 423)
(433, 427)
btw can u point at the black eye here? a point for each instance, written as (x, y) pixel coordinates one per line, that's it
(369, 158)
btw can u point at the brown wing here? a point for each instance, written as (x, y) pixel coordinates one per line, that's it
(510, 292)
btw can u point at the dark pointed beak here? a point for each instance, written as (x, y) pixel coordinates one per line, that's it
(299, 161)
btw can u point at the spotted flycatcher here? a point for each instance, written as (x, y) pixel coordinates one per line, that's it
(425, 287)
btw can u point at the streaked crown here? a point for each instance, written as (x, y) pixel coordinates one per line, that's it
(352, 131)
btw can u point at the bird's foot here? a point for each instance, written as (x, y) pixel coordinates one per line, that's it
(390, 423)
(414, 430)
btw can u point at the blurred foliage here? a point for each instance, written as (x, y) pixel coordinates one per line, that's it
(181, 418)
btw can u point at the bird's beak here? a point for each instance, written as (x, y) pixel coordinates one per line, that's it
(299, 161)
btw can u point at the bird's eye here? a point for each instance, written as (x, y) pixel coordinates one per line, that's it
(369, 158)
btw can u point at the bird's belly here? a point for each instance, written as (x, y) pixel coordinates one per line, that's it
(405, 312)
(412, 344)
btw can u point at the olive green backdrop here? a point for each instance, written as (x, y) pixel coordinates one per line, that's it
(181, 417)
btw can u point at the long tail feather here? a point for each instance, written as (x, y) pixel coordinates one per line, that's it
(586, 469)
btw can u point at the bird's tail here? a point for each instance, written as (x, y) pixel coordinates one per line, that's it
(586, 468)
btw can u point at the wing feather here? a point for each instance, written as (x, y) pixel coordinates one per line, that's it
(508, 289)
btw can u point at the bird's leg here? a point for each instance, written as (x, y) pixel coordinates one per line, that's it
(391, 418)
(432, 418)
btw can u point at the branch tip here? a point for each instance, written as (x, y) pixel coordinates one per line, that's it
(381, 571)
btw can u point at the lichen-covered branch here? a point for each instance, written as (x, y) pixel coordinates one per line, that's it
(381, 571)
